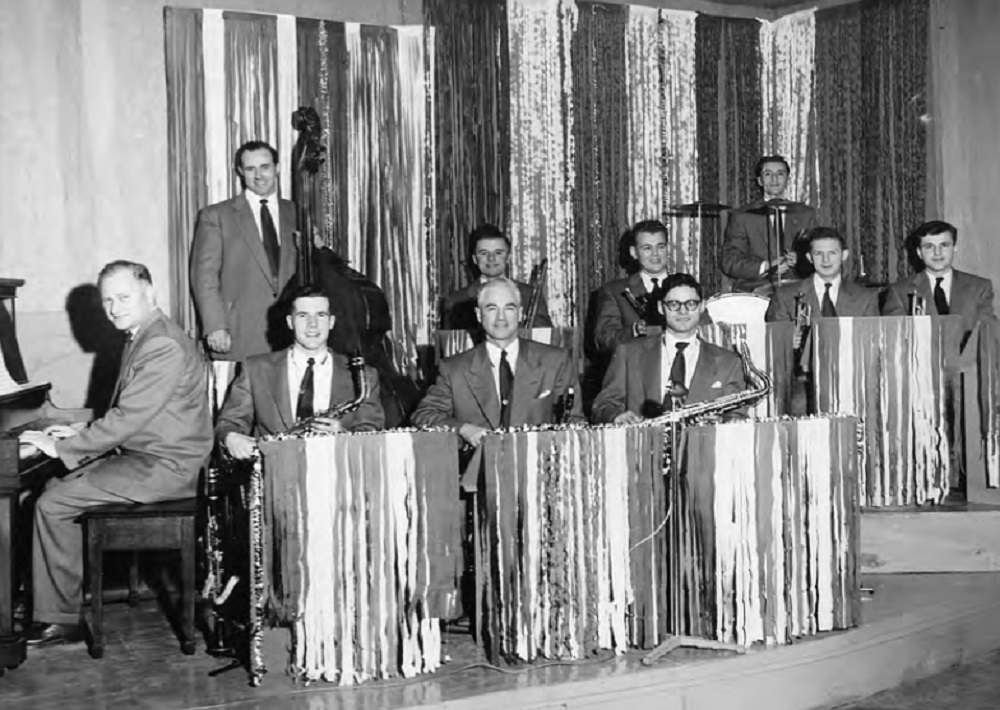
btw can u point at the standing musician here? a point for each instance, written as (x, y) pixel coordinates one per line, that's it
(750, 253)
(827, 293)
(645, 375)
(941, 288)
(506, 381)
(148, 447)
(242, 256)
(618, 319)
(489, 250)
(274, 391)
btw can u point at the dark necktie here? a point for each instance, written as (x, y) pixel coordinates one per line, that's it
(940, 300)
(270, 236)
(828, 310)
(506, 389)
(304, 407)
(678, 370)
(653, 315)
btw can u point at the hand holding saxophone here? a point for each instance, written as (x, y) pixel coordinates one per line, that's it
(327, 425)
(472, 434)
(240, 446)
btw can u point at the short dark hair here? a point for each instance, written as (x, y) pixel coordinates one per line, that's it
(139, 271)
(935, 226)
(649, 226)
(675, 280)
(306, 291)
(771, 159)
(251, 146)
(486, 231)
(817, 233)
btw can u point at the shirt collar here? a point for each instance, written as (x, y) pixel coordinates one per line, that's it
(253, 199)
(945, 283)
(821, 283)
(512, 351)
(647, 280)
(301, 357)
(672, 340)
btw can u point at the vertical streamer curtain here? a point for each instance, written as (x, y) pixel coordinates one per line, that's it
(251, 59)
(680, 145)
(727, 77)
(186, 146)
(600, 133)
(541, 147)
(788, 47)
(471, 126)
(646, 130)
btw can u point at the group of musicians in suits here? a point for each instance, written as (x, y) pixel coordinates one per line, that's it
(158, 433)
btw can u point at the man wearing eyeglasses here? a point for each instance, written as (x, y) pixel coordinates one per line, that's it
(647, 376)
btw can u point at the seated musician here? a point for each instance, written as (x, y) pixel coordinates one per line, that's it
(750, 254)
(506, 381)
(942, 289)
(489, 250)
(149, 447)
(274, 391)
(827, 292)
(618, 320)
(645, 374)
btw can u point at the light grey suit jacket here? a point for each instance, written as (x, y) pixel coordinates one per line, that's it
(971, 297)
(231, 276)
(853, 301)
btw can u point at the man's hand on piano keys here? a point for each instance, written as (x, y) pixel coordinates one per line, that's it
(44, 443)
(63, 431)
(240, 446)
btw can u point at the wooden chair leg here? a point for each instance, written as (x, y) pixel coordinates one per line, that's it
(133, 579)
(94, 534)
(187, 588)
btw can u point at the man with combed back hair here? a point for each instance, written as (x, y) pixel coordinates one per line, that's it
(147, 448)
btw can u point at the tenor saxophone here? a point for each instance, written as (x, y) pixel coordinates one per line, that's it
(362, 389)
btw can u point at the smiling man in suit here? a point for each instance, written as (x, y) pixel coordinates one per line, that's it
(147, 448)
(645, 374)
(944, 289)
(827, 293)
(617, 320)
(242, 256)
(276, 390)
(505, 381)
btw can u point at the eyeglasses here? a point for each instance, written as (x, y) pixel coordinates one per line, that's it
(675, 306)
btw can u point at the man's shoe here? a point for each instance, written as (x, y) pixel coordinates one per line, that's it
(54, 635)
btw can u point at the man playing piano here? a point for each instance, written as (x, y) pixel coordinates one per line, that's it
(759, 239)
(275, 390)
(148, 447)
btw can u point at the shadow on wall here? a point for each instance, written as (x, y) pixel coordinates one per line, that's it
(95, 334)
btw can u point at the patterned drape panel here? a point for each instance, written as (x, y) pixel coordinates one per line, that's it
(680, 149)
(646, 119)
(787, 48)
(251, 62)
(871, 77)
(471, 126)
(600, 132)
(541, 151)
(727, 77)
(186, 146)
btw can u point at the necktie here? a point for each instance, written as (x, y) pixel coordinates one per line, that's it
(828, 309)
(653, 315)
(304, 407)
(678, 371)
(506, 389)
(940, 300)
(270, 236)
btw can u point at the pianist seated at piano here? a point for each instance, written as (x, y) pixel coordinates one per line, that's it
(276, 391)
(940, 289)
(149, 446)
(650, 376)
(826, 293)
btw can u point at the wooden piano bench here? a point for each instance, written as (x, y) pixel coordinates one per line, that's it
(133, 528)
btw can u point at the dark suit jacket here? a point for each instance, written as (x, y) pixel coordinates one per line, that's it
(231, 277)
(458, 308)
(971, 297)
(632, 382)
(853, 301)
(159, 417)
(616, 316)
(259, 403)
(744, 245)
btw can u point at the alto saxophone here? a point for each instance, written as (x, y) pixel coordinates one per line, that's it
(362, 389)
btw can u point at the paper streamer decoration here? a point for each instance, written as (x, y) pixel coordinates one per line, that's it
(362, 550)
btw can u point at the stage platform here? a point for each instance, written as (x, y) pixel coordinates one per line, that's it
(914, 625)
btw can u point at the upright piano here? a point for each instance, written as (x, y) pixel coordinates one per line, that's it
(23, 405)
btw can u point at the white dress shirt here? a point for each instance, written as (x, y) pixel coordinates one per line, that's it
(494, 354)
(253, 199)
(820, 286)
(298, 361)
(669, 352)
(647, 280)
(945, 284)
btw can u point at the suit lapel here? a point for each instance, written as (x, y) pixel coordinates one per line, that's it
(251, 235)
(279, 389)
(636, 285)
(130, 349)
(651, 368)
(288, 249)
(526, 378)
(480, 380)
(701, 388)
